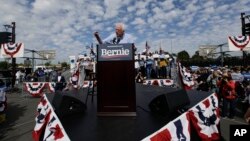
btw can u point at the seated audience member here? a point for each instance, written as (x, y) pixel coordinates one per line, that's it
(139, 78)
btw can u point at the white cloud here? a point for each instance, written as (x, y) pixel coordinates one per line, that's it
(112, 7)
(138, 21)
(131, 8)
(167, 4)
(141, 12)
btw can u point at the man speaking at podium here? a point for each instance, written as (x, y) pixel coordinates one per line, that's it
(119, 37)
(115, 58)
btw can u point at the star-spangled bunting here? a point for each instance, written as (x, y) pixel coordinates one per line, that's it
(43, 112)
(238, 43)
(185, 77)
(35, 88)
(10, 50)
(54, 130)
(48, 123)
(51, 86)
(159, 82)
(176, 130)
(205, 118)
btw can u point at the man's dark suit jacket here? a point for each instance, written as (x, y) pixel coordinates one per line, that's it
(60, 85)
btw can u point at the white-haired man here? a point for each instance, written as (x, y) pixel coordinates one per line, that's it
(119, 36)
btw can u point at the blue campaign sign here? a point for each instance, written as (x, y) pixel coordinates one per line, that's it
(115, 52)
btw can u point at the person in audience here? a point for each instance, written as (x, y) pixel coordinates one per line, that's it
(53, 75)
(32, 77)
(74, 81)
(142, 66)
(139, 78)
(229, 95)
(212, 81)
(163, 69)
(246, 103)
(149, 66)
(238, 78)
(18, 76)
(202, 80)
(61, 82)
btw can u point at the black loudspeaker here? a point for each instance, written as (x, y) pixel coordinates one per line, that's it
(169, 103)
(66, 104)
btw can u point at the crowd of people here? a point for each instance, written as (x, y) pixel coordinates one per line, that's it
(154, 65)
(230, 84)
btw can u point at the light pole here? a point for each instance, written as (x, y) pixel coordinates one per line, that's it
(171, 46)
(13, 27)
(171, 41)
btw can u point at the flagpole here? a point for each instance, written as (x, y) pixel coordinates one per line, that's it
(171, 49)
(13, 59)
(171, 46)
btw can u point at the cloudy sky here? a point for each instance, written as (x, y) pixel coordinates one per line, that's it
(67, 26)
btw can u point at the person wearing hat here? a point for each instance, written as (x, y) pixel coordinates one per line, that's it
(212, 81)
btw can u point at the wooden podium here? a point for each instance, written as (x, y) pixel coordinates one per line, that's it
(115, 80)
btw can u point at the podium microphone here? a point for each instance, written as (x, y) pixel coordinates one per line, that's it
(96, 34)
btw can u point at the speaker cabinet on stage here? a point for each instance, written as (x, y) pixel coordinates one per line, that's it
(115, 80)
(67, 104)
(169, 103)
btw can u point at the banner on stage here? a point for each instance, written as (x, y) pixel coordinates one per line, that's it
(115, 52)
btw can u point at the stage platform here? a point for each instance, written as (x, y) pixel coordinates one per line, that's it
(90, 127)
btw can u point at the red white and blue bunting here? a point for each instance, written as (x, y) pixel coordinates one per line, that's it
(185, 77)
(35, 88)
(43, 112)
(51, 86)
(48, 123)
(176, 130)
(12, 50)
(205, 118)
(238, 43)
(54, 130)
(159, 82)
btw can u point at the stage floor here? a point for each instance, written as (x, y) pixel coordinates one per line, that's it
(90, 127)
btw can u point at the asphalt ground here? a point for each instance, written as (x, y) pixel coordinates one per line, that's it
(21, 112)
(20, 117)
